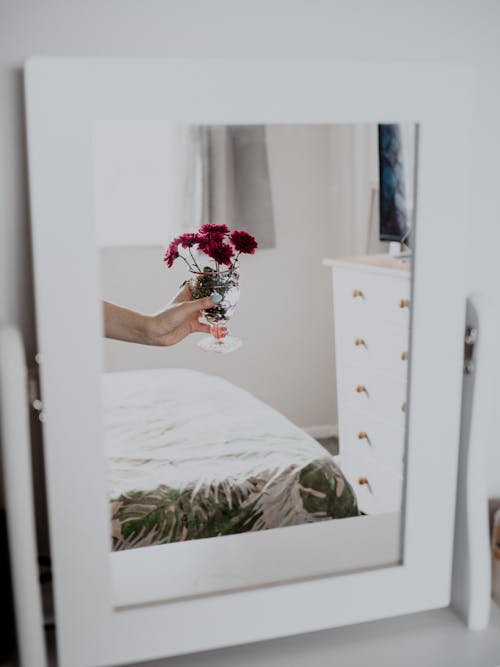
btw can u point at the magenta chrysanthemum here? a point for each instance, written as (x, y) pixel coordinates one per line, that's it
(172, 253)
(216, 241)
(210, 229)
(220, 252)
(244, 242)
(188, 240)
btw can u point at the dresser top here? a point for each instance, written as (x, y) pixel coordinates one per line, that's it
(374, 263)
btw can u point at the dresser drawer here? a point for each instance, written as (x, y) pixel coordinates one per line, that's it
(377, 489)
(368, 298)
(363, 435)
(377, 394)
(372, 346)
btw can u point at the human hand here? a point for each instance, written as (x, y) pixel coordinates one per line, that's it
(179, 319)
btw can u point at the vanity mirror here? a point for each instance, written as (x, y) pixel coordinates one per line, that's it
(302, 468)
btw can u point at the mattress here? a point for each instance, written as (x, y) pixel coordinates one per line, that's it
(190, 456)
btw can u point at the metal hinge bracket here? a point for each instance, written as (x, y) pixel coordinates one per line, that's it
(34, 395)
(470, 339)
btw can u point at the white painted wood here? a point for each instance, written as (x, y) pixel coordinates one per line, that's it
(383, 395)
(384, 441)
(64, 100)
(472, 566)
(381, 350)
(378, 488)
(371, 306)
(380, 294)
(16, 461)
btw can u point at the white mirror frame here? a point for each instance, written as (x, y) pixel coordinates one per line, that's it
(65, 98)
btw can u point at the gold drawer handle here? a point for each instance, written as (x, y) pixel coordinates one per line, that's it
(359, 341)
(361, 388)
(357, 294)
(403, 407)
(363, 435)
(404, 303)
(363, 481)
(404, 356)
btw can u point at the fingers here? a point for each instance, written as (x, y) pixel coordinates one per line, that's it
(199, 304)
(183, 295)
(202, 327)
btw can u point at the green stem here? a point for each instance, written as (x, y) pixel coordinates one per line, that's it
(188, 264)
(233, 265)
(195, 263)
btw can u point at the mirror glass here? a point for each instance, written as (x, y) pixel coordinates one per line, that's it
(286, 405)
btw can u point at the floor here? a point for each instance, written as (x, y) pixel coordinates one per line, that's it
(330, 444)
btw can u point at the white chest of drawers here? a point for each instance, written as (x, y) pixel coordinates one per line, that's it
(371, 306)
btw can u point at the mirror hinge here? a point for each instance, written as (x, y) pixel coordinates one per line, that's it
(470, 339)
(34, 394)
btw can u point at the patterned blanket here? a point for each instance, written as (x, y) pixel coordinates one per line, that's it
(191, 456)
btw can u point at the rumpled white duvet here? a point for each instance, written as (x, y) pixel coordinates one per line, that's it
(180, 427)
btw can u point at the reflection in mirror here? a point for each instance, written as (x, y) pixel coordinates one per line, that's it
(304, 421)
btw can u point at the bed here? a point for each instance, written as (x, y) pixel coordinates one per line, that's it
(191, 456)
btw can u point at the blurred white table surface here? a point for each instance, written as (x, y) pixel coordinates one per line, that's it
(428, 639)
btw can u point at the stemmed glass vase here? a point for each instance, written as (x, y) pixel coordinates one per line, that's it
(224, 287)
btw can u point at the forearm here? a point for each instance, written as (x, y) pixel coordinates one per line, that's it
(127, 325)
(179, 319)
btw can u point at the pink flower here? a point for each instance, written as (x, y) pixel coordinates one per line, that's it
(219, 251)
(216, 241)
(214, 229)
(172, 253)
(244, 242)
(188, 240)
(204, 243)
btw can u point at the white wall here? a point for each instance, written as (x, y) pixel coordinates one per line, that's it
(285, 311)
(429, 30)
(135, 167)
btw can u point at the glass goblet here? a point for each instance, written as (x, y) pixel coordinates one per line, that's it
(225, 288)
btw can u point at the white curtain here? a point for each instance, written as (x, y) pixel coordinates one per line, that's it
(223, 178)
(192, 177)
(354, 190)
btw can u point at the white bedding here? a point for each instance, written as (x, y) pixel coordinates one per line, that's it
(178, 427)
